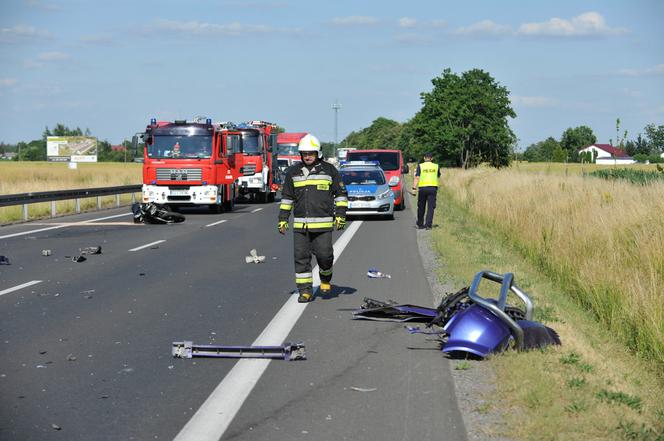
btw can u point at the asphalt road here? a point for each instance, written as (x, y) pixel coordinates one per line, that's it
(86, 349)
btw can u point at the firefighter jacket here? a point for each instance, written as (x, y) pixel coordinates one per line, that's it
(314, 196)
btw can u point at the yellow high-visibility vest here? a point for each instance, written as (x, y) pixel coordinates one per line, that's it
(428, 175)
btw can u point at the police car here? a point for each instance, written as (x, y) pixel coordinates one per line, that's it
(368, 190)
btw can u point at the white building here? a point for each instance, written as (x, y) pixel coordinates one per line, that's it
(608, 154)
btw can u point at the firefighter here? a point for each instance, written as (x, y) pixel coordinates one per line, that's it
(314, 192)
(426, 181)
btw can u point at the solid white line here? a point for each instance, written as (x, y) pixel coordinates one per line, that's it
(16, 288)
(217, 412)
(216, 223)
(147, 245)
(256, 209)
(62, 226)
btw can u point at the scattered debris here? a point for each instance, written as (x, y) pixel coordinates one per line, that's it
(152, 213)
(46, 252)
(288, 351)
(78, 259)
(71, 357)
(88, 291)
(254, 257)
(40, 366)
(91, 250)
(373, 273)
(42, 352)
(4, 260)
(362, 389)
(103, 397)
(56, 427)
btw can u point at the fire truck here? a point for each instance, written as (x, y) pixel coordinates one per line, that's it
(287, 153)
(260, 175)
(191, 163)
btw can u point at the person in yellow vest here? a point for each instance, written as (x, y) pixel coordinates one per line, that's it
(426, 180)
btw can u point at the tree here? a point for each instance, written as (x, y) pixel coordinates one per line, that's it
(463, 120)
(383, 133)
(576, 138)
(655, 135)
(545, 151)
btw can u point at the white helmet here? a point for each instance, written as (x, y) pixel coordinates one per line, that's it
(309, 143)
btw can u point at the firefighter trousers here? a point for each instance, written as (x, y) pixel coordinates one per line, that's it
(319, 244)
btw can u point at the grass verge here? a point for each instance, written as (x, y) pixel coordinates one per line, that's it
(592, 387)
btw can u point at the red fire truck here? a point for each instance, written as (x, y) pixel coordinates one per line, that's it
(259, 173)
(191, 163)
(288, 154)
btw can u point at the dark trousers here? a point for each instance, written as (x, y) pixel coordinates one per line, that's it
(318, 244)
(426, 196)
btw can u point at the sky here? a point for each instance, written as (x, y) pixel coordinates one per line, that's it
(111, 66)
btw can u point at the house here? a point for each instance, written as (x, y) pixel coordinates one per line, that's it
(608, 154)
(118, 148)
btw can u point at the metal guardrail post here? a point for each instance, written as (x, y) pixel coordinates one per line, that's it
(98, 202)
(25, 212)
(54, 209)
(117, 200)
(78, 205)
(133, 198)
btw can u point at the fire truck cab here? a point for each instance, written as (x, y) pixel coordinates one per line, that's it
(259, 173)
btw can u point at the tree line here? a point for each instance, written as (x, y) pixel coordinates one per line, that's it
(464, 121)
(36, 150)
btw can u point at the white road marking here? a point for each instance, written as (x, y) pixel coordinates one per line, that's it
(217, 412)
(7, 236)
(79, 224)
(216, 223)
(147, 245)
(256, 209)
(17, 287)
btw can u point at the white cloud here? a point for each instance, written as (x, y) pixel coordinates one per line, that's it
(484, 28)
(8, 82)
(21, 32)
(100, 39)
(647, 72)
(42, 5)
(534, 101)
(407, 22)
(631, 93)
(589, 24)
(355, 20)
(437, 23)
(196, 28)
(53, 56)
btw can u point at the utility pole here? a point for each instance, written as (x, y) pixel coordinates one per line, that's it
(336, 107)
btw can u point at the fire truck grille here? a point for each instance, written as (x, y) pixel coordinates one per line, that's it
(249, 169)
(179, 174)
(361, 198)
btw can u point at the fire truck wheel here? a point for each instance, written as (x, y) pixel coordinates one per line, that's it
(270, 197)
(216, 208)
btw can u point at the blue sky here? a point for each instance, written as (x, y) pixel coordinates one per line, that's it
(111, 66)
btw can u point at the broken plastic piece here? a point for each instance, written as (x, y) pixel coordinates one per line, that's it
(254, 257)
(373, 273)
(78, 259)
(390, 312)
(46, 252)
(4, 260)
(91, 250)
(288, 351)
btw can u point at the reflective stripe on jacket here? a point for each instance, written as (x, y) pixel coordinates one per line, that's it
(428, 175)
(314, 197)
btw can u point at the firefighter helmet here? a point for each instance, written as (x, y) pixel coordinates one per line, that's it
(309, 143)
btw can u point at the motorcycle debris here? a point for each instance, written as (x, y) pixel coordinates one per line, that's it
(363, 389)
(78, 259)
(46, 252)
(373, 273)
(4, 260)
(254, 257)
(91, 250)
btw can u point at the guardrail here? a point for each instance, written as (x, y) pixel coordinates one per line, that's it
(61, 195)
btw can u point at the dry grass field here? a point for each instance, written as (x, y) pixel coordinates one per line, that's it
(24, 177)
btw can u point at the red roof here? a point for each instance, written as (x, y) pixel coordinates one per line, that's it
(290, 138)
(614, 151)
(118, 148)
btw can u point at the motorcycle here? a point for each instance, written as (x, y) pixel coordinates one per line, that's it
(152, 213)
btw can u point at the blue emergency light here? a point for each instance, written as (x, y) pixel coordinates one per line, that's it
(153, 121)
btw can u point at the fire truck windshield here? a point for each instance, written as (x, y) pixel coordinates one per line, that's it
(288, 149)
(183, 147)
(251, 143)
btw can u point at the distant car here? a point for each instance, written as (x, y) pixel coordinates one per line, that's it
(368, 190)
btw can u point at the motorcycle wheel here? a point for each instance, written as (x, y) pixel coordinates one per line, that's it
(171, 216)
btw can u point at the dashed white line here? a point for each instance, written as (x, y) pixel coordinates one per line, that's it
(216, 223)
(256, 209)
(17, 287)
(217, 412)
(7, 236)
(147, 245)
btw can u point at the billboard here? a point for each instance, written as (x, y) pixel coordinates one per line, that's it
(71, 148)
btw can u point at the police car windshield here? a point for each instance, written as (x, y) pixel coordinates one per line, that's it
(362, 177)
(251, 143)
(288, 149)
(388, 160)
(182, 147)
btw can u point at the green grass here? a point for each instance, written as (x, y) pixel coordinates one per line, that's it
(641, 177)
